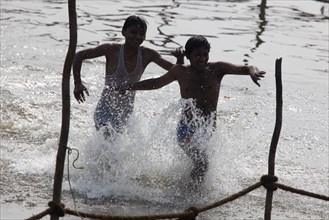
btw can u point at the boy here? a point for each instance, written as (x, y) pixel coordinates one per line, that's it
(199, 82)
(124, 64)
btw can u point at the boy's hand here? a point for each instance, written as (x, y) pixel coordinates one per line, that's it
(179, 53)
(79, 90)
(255, 74)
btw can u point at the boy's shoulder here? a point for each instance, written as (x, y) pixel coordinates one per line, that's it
(148, 50)
(217, 65)
(149, 53)
(108, 48)
(112, 45)
(180, 69)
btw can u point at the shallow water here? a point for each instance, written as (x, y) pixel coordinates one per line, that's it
(144, 171)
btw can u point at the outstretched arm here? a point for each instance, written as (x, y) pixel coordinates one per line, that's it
(155, 83)
(229, 68)
(147, 84)
(157, 58)
(255, 74)
(79, 88)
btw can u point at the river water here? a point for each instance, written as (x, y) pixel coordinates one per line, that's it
(144, 171)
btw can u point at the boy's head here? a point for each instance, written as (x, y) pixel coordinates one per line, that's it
(135, 20)
(196, 42)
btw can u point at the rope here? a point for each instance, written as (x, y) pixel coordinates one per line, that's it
(193, 213)
(231, 198)
(77, 157)
(189, 214)
(54, 209)
(40, 215)
(69, 152)
(57, 208)
(302, 192)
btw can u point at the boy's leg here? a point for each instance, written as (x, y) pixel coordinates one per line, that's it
(199, 159)
(200, 164)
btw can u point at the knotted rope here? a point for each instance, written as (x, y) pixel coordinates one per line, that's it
(55, 208)
(192, 213)
(268, 181)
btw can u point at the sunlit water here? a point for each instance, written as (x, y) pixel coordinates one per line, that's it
(143, 170)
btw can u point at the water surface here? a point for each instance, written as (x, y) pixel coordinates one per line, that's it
(145, 171)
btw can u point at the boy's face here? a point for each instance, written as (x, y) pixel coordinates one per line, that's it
(199, 58)
(134, 35)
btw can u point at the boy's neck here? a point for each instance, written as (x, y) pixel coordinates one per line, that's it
(129, 50)
(198, 71)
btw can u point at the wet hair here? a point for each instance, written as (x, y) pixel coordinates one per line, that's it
(195, 42)
(135, 20)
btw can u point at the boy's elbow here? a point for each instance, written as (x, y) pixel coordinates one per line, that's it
(169, 66)
(82, 55)
(157, 86)
(149, 87)
(153, 84)
(78, 57)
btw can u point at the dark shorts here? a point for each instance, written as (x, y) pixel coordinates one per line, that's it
(184, 132)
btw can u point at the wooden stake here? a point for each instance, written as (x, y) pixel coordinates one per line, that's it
(275, 137)
(61, 153)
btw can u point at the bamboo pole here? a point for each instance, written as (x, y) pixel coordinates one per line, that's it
(61, 153)
(275, 137)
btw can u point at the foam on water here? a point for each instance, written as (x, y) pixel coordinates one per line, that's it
(144, 162)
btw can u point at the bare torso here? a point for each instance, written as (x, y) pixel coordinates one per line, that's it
(202, 87)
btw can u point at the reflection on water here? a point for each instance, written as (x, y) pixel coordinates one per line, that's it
(147, 169)
(262, 24)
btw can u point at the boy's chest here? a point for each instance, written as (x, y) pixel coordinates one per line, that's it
(194, 86)
(128, 62)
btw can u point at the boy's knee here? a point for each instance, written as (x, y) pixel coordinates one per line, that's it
(200, 158)
(203, 165)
